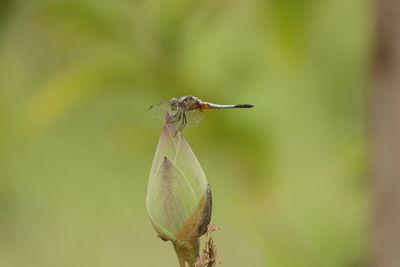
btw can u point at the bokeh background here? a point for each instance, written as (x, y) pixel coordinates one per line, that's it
(76, 141)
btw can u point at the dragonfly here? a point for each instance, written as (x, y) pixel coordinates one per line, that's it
(186, 110)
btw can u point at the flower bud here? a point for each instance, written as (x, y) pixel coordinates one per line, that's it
(178, 195)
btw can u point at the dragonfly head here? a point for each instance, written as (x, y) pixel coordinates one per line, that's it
(174, 104)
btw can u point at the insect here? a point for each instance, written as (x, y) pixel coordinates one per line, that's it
(186, 110)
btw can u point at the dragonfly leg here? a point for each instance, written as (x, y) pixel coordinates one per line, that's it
(177, 117)
(184, 121)
(183, 124)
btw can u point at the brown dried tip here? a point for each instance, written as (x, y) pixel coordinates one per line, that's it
(209, 257)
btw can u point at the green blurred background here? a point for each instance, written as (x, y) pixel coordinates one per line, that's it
(76, 140)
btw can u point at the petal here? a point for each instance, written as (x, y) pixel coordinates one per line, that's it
(171, 200)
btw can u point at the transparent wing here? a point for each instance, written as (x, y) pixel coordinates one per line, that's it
(158, 111)
(193, 117)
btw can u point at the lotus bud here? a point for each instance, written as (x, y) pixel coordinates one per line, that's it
(178, 195)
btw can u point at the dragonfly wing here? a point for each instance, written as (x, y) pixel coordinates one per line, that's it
(193, 117)
(159, 110)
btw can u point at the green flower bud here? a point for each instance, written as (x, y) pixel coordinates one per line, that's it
(178, 195)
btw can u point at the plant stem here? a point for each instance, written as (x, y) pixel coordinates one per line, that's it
(187, 251)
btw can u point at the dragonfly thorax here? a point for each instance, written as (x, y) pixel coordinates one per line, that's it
(189, 103)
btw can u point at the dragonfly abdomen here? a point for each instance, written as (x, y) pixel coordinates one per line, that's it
(206, 105)
(244, 106)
